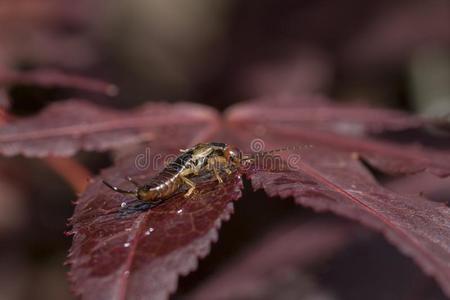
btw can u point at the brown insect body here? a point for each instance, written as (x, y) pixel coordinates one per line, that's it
(209, 156)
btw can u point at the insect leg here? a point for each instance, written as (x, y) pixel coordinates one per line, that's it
(212, 164)
(227, 170)
(191, 185)
(216, 173)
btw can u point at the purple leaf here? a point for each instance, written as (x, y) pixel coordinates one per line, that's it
(340, 128)
(259, 268)
(64, 128)
(327, 182)
(140, 255)
(55, 78)
(328, 176)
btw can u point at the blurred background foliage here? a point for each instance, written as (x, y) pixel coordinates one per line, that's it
(386, 53)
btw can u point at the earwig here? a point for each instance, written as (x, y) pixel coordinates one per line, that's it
(176, 174)
(191, 162)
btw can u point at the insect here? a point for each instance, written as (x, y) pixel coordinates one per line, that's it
(212, 157)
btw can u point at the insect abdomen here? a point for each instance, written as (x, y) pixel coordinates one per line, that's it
(168, 181)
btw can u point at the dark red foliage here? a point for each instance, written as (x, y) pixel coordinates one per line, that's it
(64, 128)
(340, 128)
(55, 78)
(114, 257)
(254, 274)
(336, 182)
(331, 177)
(139, 254)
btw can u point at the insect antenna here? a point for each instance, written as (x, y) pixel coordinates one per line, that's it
(288, 148)
(116, 189)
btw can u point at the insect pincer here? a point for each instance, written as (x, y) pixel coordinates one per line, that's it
(116, 189)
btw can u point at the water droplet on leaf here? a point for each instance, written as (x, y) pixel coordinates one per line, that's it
(148, 231)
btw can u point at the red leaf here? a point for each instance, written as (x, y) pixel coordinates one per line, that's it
(326, 178)
(419, 227)
(64, 128)
(422, 184)
(55, 78)
(260, 267)
(341, 128)
(140, 255)
(71, 170)
(320, 114)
